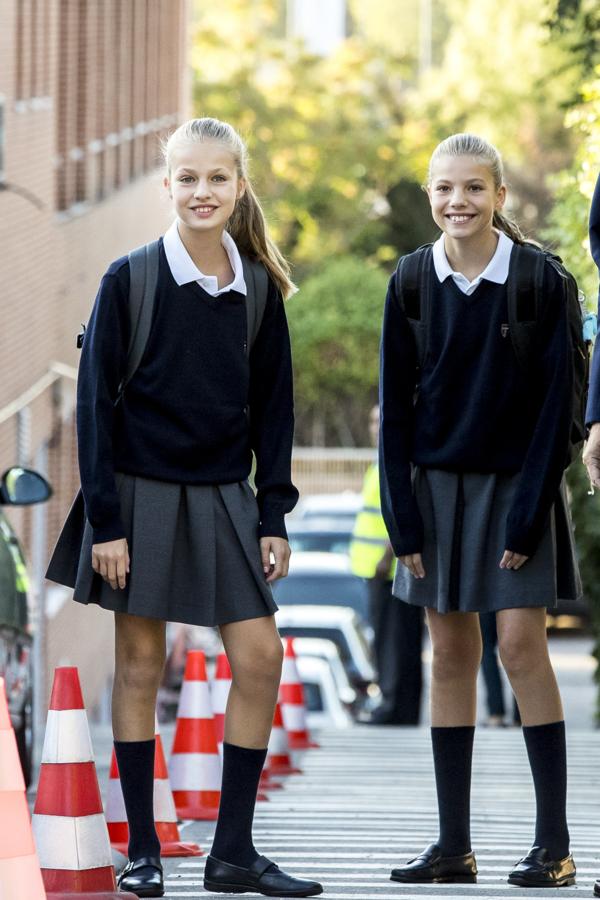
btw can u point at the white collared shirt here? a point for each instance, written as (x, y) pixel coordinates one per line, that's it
(496, 270)
(184, 269)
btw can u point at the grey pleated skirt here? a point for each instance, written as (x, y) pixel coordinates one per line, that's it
(194, 554)
(464, 517)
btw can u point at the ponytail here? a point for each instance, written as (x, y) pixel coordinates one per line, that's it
(510, 228)
(247, 224)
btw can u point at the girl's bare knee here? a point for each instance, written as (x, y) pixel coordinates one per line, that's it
(259, 669)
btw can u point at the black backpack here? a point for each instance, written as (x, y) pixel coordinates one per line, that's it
(414, 287)
(143, 278)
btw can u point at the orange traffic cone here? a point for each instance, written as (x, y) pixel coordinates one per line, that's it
(20, 876)
(165, 817)
(195, 764)
(293, 705)
(279, 761)
(68, 822)
(219, 692)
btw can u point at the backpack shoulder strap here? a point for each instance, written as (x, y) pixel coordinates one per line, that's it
(414, 286)
(143, 278)
(257, 287)
(524, 290)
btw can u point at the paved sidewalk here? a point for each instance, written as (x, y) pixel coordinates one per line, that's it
(366, 801)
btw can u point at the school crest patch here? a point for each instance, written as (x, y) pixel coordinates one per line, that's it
(504, 330)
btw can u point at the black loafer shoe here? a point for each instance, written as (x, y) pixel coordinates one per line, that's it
(597, 889)
(143, 876)
(262, 877)
(431, 866)
(538, 869)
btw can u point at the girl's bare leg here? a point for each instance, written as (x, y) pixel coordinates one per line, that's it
(139, 663)
(255, 654)
(523, 649)
(457, 648)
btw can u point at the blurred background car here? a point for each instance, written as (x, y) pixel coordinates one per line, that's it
(324, 708)
(344, 505)
(347, 631)
(323, 578)
(326, 534)
(320, 648)
(18, 487)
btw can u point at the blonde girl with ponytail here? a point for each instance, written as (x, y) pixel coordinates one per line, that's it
(172, 529)
(472, 486)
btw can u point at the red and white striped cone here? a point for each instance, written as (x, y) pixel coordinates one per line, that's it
(195, 764)
(279, 761)
(68, 821)
(293, 704)
(219, 692)
(20, 876)
(165, 817)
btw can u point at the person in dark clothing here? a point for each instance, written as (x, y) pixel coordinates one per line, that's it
(172, 530)
(397, 627)
(471, 460)
(591, 453)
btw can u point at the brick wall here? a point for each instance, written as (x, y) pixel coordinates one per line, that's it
(87, 87)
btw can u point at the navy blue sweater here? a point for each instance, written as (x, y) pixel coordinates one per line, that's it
(593, 406)
(196, 407)
(476, 410)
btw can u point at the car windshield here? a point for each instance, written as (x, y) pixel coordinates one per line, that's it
(321, 589)
(312, 696)
(322, 541)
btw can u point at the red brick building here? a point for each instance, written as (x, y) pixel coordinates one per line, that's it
(87, 88)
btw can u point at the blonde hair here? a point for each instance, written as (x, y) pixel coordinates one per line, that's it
(465, 144)
(247, 224)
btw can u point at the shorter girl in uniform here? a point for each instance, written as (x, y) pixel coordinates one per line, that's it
(471, 481)
(172, 530)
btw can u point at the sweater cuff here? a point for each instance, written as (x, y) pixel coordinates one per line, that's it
(521, 540)
(111, 532)
(272, 523)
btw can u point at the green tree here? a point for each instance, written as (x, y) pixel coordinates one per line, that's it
(335, 324)
(568, 231)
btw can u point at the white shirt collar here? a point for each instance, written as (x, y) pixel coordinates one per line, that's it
(184, 269)
(496, 270)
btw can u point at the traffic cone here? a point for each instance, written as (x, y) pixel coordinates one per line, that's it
(219, 692)
(20, 876)
(165, 817)
(279, 761)
(195, 764)
(68, 822)
(293, 705)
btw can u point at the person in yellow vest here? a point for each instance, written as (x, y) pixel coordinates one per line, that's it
(398, 626)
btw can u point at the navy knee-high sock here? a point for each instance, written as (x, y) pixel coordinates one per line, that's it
(547, 751)
(233, 836)
(452, 755)
(135, 760)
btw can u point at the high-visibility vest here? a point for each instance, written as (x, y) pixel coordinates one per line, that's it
(369, 537)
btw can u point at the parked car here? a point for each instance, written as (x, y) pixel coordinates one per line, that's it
(321, 648)
(326, 534)
(324, 708)
(322, 578)
(344, 505)
(18, 487)
(342, 626)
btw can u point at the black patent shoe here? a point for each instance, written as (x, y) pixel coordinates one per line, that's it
(597, 889)
(538, 869)
(431, 866)
(262, 877)
(143, 876)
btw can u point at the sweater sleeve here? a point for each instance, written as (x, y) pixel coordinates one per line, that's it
(272, 418)
(101, 368)
(544, 463)
(593, 406)
(396, 399)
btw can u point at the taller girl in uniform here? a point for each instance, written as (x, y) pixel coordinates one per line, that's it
(173, 531)
(471, 478)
